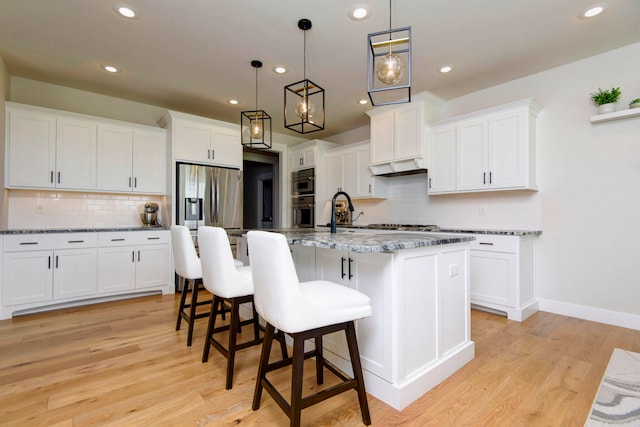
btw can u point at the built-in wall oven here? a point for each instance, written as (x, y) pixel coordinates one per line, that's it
(303, 206)
(303, 182)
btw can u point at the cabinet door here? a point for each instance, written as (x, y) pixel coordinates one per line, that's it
(75, 272)
(149, 165)
(453, 303)
(363, 186)
(382, 137)
(493, 277)
(508, 149)
(226, 148)
(152, 265)
(471, 146)
(192, 141)
(31, 149)
(332, 265)
(116, 269)
(442, 156)
(115, 144)
(27, 277)
(409, 132)
(76, 154)
(335, 178)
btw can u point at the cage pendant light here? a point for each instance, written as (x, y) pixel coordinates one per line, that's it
(304, 100)
(256, 124)
(389, 65)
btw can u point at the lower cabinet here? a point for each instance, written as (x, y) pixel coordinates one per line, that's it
(39, 270)
(133, 260)
(502, 274)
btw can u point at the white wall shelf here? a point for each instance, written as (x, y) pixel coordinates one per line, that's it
(616, 115)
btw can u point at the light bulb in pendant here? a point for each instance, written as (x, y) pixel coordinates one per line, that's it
(255, 128)
(390, 69)
(305, 108)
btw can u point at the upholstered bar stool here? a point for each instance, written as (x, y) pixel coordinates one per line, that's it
(304, 311)
(229, 284)
(187, 265)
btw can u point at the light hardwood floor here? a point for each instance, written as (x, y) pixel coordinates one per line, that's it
(122, 363)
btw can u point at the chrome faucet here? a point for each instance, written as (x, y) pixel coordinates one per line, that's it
(333, 208)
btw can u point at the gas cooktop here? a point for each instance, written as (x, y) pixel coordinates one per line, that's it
(403, 227)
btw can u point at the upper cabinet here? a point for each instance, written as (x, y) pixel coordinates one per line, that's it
(53, 149)
(303, 158)
(45, 150)
(205, 141)
(131, 159)
(491, 150)
(348, 171)
(397, 138)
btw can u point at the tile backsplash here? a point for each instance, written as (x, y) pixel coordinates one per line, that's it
(58, 209)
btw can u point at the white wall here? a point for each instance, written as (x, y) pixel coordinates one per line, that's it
(4, 96)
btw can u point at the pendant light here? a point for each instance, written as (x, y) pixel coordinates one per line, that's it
(255, 125)
(389, 65)
(304, 100)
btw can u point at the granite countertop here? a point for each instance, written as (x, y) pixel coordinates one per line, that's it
(80, 230)
(418, 228)
(362, 242)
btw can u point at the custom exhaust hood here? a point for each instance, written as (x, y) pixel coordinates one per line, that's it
(399, 167)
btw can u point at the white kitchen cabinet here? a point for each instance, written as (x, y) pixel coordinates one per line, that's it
(201, 140)
(442, 160)
(397, 138)
(304, 258)
(133, 260)
(45, 150)
(348, 170)
(502, 274)
(131, 159)
(42, 267)
(494, 150)
(303, 158)
(366, 273)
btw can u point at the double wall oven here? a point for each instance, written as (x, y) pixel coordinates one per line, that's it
(303, 206)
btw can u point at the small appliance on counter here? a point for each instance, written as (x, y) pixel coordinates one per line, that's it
(343, 214)
(150, 214)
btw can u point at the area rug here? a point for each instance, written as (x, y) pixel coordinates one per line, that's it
(618, 398)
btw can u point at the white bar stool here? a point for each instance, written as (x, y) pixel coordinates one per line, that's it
(304, 311)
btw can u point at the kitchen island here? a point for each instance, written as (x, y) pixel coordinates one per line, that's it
(419, 333)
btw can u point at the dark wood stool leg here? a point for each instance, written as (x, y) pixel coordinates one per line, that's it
(210, 328)
(296, 380)
(192, 310)
(262, 367)
(183, 299)
(283, 344)
(233, 328)
(319, 360)
(357, 372)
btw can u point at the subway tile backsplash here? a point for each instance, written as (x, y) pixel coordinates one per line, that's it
(58, 209)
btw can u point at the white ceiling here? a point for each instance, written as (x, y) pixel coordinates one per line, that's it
(193, 55)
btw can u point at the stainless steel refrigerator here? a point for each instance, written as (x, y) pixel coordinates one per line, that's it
(208, 195)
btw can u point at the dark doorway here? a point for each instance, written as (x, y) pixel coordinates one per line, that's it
(261, 189)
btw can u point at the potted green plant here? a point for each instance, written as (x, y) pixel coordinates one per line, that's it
(635, 103)
(606, 99)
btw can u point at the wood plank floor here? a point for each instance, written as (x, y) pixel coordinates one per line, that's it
(122, 363)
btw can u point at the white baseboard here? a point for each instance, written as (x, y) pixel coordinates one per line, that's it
(616, 318)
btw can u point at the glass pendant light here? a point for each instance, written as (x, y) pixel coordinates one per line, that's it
(304, 100)
(389, 62)
(256, 124)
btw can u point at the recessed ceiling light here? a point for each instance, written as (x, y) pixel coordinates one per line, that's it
(279, 69)
(594, 10)
(446, 69)
(363, 102)
(125, 11)
(111, 68)
(233, 101)
(358, 12)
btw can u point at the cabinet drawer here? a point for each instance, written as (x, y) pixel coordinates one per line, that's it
(35, 241)
(126, 238)
(494, 243)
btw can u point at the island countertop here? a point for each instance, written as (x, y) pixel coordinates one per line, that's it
(362, 242)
